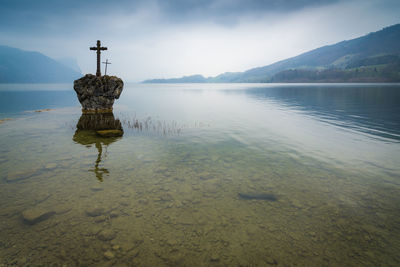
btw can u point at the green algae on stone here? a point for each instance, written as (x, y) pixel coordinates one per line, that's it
(110, 133)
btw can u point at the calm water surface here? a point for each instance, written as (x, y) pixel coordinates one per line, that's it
(204, 175)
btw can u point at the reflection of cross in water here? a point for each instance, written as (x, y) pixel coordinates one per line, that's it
(88, 134)
(99, 171)
(105, 71)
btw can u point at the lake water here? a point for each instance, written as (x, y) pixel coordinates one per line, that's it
(204, 175)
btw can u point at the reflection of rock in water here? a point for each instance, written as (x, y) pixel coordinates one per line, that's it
(99, 122)
(100, 129)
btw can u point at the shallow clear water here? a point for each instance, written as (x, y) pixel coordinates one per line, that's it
(175, 189)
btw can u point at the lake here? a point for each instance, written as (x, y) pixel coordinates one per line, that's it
(204, 175)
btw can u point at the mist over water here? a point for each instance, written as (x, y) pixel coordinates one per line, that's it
(204, 174)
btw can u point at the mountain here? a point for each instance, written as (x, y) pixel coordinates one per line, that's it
(19, 66)
(374, 57)
(185, 79)
(70, 63)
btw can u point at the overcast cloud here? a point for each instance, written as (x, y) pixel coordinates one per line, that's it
(159, 39)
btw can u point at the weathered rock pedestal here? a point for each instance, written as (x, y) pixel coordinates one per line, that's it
(97, 94)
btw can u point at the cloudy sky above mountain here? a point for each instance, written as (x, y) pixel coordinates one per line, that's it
(165, 38)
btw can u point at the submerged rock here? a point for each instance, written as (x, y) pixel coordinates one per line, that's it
(94, 212)
(100, 219)
(116, 247)
(96, 188)
(98, 93)
(40, 197)
(106, 235)
(109, 255)
(20, 175)
(114, 214)
(35, 215)
(214, 256)
(62, 208)
(50, 166)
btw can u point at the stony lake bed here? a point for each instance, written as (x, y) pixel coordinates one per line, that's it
(227, 175)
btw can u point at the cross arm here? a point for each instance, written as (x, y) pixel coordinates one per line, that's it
(103, 48)
(93, 48)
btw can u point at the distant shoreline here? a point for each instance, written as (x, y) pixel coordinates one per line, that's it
(372, 58)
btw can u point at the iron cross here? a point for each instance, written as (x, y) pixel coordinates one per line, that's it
(105, 71)
(98, 48)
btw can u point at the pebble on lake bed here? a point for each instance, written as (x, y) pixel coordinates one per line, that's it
(50, 166)
(41, 197)
(96, 188)
(106, 235)
(93, 212)
(214, 257)
(62, 208)
(114, 214)
(35, 215)
(20, 175)
(109, 255)
(100, 219)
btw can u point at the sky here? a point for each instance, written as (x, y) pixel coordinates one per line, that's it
(166, 38)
